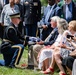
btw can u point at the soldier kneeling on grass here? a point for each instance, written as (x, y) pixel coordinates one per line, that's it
(13, 43)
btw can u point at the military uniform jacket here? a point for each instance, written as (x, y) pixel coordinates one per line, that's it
(32, 10)
(11, 37)
(21, 11)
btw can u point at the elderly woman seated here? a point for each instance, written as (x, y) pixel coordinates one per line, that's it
(46, 53)
(63, 51)
(34, 49)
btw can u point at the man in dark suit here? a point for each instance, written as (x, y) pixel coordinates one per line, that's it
(32, 16)
(69, 10)
(1, 27)
(6, 1)
(2, 3)
(34, 49)
(17, 2)
(13, 42)
(51, 10)
(21, 9)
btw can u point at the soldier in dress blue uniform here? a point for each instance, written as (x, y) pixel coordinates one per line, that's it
(32, 16)
(13, 42)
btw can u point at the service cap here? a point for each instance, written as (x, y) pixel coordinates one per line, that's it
(15, 15)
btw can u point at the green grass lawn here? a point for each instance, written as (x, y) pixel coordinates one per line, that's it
(14, 71)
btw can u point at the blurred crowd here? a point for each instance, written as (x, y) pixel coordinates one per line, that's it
(50, 36)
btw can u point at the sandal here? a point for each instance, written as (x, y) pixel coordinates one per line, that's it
(61, 73)
(48, 71)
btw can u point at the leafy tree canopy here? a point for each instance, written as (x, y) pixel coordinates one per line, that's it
(44, 2)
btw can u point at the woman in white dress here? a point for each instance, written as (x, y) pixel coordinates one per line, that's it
(46, 53)
(63, 51)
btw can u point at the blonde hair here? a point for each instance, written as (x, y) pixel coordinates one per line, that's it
(63, 24)
(73, 24)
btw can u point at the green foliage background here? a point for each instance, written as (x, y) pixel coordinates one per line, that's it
(74, 0)
(44, 2)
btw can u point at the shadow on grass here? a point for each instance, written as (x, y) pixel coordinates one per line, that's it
(15, 71)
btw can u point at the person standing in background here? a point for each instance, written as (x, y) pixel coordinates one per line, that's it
(69, 10)
(1, 6)
(7, 9)
(32, 15)
(51, 10)
(17, 2)
(1, 27)
(21, 10)
(2, 3)
(7, 1)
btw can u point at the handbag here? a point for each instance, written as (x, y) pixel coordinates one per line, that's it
(64, 53)
(73, 53)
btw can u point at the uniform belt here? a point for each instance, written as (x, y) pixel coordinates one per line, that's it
(7, 41)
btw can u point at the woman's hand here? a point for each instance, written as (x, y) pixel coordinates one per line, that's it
(40, 43)
(44, 27)
(74, 38)
(69, 39)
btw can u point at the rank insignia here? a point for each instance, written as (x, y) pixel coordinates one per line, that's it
(35, 4)
(26, 2)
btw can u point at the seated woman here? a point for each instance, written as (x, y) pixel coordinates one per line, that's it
(62, 51)
(68, 61)
(67, 47)
(35, 49)
(46, 52)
